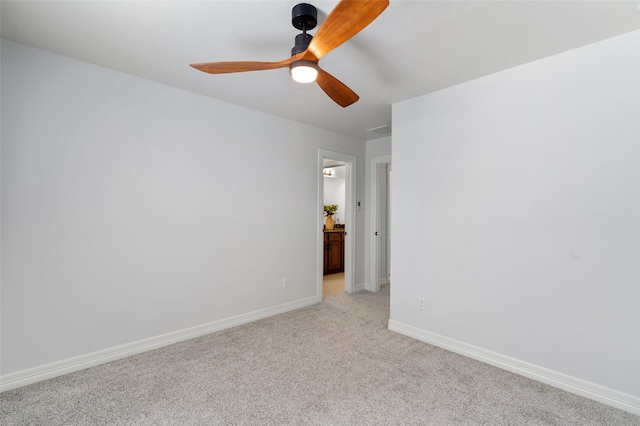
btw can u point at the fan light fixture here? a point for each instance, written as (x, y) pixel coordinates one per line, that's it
(304, 71)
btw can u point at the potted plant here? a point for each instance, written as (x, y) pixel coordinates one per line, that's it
(329, 211)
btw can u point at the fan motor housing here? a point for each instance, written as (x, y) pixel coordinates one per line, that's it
(302, 42)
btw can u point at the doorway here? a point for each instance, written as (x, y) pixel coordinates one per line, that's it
(334, 199)
(339, 243)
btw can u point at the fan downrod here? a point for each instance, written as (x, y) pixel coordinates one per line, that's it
(303, 17)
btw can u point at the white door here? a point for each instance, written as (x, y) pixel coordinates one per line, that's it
(380, 223)
(388, 222)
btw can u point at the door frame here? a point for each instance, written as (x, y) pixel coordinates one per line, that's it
(349, 219)
(374, 258)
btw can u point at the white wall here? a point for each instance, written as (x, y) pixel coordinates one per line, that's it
(131, 209)
(517, 215)
(378, 147)
(334, 191)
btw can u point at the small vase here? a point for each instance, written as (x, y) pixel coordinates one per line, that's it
(328, 225)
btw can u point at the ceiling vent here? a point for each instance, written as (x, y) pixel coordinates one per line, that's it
(381, 130)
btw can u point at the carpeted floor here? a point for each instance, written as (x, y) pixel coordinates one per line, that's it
(335, 363)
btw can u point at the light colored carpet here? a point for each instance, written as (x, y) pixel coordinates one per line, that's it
(335, 363)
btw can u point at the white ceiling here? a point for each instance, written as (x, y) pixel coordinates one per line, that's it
(413, 48)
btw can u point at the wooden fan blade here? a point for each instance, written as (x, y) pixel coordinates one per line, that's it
(242, 66)
(347, 19)
(336, 89)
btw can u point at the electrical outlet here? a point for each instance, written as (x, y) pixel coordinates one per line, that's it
(285, 282)
(422, 303)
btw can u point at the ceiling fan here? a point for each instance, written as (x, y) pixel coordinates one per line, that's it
(347, 19)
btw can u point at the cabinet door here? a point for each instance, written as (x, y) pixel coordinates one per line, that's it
(334, 258)
(325, 268)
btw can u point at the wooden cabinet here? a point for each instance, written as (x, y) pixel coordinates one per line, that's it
(333, 251)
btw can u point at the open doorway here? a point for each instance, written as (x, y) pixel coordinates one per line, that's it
(334, 174)
(336, 255)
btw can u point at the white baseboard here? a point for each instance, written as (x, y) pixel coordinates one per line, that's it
(59, 368)
(571, 384)
(359, 287)
(370, 287)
